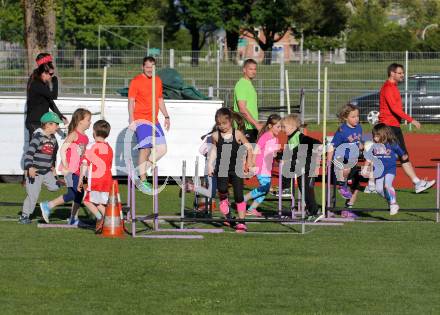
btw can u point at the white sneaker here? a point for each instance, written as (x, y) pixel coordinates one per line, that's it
(370, 190)
(394, 209)
(422, 185)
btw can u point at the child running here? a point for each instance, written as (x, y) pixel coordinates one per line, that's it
(344, 145)
(39, 163)
(223, 160)
(267, 146)
(97, 167)
(310, 159)
(383, 157)
(72, 152)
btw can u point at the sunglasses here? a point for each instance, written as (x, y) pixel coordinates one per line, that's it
(50, 73)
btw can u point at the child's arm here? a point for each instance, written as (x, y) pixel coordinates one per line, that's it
(249, 156)
(82, 173)
(29, 157)
(69, 140)
(212, 155)
(366, 169)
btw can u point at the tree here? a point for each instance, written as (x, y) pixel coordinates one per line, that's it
(365, 27)
(421, 13)
(201, 18)
(39, 28)
(82, 17)
(234, 14)
(273, 19)
(11, 21)
(370, 30)
(324, 18)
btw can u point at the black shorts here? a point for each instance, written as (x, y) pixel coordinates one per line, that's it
(400, 140)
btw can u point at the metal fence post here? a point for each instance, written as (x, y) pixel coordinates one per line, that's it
(218, 73)
(319, 88)
(282, 79)
(85, 70)
(172, 58)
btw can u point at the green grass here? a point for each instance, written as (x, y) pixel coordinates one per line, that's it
(354, 269)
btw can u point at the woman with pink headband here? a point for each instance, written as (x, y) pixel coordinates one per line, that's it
(42, 90)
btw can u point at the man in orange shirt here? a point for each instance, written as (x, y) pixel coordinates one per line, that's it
(140, 113)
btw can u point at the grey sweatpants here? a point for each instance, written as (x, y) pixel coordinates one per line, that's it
(33, 190)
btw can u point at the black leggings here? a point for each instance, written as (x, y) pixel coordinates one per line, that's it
(309, 194)
(237, 186)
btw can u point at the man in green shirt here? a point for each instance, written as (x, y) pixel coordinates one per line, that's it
(245, 100)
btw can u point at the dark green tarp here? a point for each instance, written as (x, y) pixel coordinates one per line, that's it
(173, 87)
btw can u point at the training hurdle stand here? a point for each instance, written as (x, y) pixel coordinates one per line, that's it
(155, 218)
(282, 217)
(331, 204)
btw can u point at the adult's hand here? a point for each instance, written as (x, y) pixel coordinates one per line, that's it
(416, 124)
(167, 123)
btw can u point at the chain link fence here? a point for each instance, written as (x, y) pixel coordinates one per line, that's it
(214, 73)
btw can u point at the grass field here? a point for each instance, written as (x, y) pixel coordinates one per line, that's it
(357, 268)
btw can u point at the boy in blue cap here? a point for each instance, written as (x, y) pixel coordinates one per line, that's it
(39, 163)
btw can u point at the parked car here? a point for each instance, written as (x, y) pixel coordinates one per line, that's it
(423, 99)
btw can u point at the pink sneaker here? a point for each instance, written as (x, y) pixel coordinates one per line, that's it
(254, 212)
(240, 228)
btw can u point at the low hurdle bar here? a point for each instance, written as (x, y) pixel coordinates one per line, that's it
(156, 217)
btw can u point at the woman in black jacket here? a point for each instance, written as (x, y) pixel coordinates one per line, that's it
(42, 89)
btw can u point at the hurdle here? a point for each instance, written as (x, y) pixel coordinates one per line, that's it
(156, 218)
(331, 204)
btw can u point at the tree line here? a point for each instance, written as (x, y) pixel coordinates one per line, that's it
(358, 25)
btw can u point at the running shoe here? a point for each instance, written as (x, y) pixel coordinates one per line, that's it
(345, 192)
(370, 190)
(45, 210)
(422, 185)
(24, 219)
(99, 226)
(73, 221)
(146, 187)
(254, 212)
(394, 209)
(240, 228)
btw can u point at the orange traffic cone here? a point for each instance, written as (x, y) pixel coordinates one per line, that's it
(112, 221)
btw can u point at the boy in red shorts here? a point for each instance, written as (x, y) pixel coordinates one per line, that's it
(97, 167)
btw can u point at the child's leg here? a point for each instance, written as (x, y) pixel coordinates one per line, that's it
(77, 200)
(390, 193)
(222, 186)
(309, 196)
(98, 210)
(33, 188)
(237, 186)
(259, 193)
(380, 186)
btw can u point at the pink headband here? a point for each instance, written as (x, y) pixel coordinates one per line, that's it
(44, 60)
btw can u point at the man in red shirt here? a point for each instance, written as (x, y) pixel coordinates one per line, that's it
(140, 113)
(391, 113)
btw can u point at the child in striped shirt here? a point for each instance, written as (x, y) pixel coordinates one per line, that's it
(39, 163)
